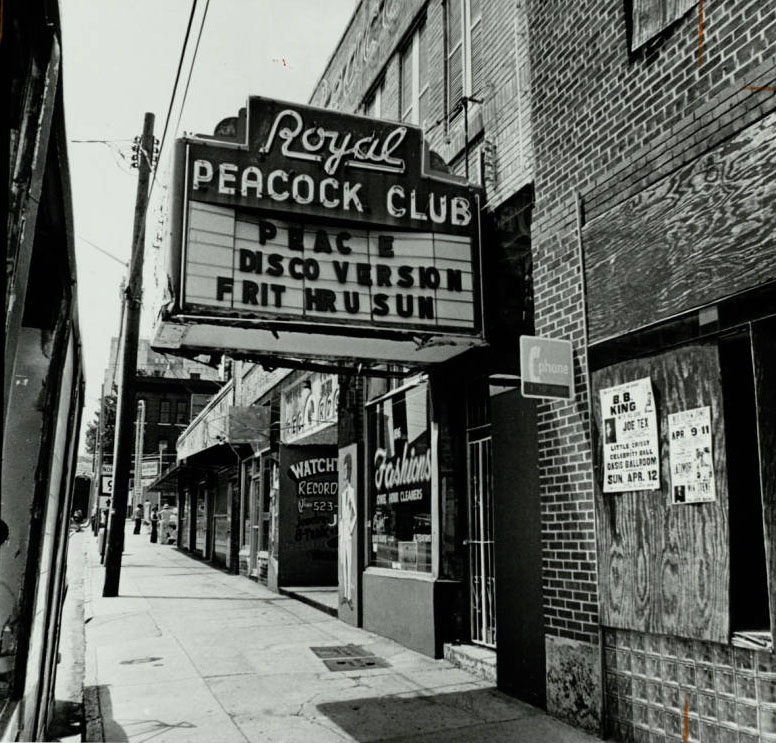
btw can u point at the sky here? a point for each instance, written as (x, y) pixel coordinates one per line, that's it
(119, 61)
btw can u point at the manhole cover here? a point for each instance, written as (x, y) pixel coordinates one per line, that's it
(349, 658)
(354, 664)
(341, 651)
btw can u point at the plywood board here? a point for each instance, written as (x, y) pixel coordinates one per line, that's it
(665, 569)
(698, 235)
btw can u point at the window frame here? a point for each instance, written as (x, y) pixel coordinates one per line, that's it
(419, 88)
(463, 46)
(373, 103)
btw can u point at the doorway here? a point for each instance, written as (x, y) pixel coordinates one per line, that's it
(482, 570)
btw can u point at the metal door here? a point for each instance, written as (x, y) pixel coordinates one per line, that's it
(481, 559)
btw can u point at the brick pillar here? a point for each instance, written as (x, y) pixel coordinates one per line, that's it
(569, 563)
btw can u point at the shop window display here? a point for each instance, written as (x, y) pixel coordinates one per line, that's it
(400, 462)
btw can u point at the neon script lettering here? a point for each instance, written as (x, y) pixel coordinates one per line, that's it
(332, 148)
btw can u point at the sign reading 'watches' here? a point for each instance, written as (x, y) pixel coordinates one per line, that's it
(305, 217)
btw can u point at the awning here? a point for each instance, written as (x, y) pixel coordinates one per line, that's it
(193, 468)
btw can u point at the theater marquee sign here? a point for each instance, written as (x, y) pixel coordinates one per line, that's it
(322, 223)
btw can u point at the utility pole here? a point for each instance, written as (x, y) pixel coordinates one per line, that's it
(125, 407)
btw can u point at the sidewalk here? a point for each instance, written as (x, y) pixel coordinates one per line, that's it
(189, 653)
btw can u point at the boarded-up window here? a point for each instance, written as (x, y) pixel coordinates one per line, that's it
(664, 568)
(650, 17)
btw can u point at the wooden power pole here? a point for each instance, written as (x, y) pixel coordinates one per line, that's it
(125, 407)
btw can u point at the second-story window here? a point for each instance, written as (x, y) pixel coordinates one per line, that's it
(373, 106)
(165, 412)
(414, 79)
(465, 54)
(650, 17)
(181, 411)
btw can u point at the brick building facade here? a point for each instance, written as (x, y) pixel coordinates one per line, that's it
(632, 114)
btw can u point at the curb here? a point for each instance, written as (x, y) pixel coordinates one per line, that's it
(93, 725)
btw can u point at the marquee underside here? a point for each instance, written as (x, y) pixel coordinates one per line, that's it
(199, 337)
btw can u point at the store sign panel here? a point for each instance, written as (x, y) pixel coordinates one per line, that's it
(546, 368)
(322, 219)
(272, 268)
(312, 163)
(308, 406)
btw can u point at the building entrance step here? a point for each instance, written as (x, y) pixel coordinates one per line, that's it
(476, 659)
(324, 598)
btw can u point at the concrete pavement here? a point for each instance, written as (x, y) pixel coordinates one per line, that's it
(189, 653)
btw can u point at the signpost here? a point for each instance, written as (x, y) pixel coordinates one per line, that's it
(321, 235)
(546, 368)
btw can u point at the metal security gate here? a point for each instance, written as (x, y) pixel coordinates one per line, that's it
(481, 559)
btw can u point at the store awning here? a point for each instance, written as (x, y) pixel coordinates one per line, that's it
(214, 436)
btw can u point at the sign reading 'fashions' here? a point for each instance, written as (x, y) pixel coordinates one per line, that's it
(311, 218)
(631, 453)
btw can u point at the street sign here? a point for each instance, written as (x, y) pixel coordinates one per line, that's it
(107, 484)
(546, 368)
(107, 469)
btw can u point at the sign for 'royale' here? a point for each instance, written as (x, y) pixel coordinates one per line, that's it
(319, 217)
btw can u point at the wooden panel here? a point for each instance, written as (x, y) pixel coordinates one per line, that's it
(764, 354)
(650, 17)
(665, 569)
(700, 234)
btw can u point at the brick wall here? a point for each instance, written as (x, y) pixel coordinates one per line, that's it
(606, 124)
(503, 118)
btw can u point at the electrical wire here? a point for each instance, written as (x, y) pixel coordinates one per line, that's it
(137, 253)
(191, 69)
(174, 89)
(103, 251)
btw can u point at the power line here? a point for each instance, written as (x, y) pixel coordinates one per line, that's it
(103, 251)
(141, 235)
(175, 89)
(191, 67)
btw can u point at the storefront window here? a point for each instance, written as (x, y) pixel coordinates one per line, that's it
(400, 467)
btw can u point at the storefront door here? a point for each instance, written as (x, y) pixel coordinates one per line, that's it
(201, 521)
(482, 574)
(252, 537)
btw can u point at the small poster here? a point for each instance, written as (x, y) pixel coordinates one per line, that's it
(631, 453)
(689, 448)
